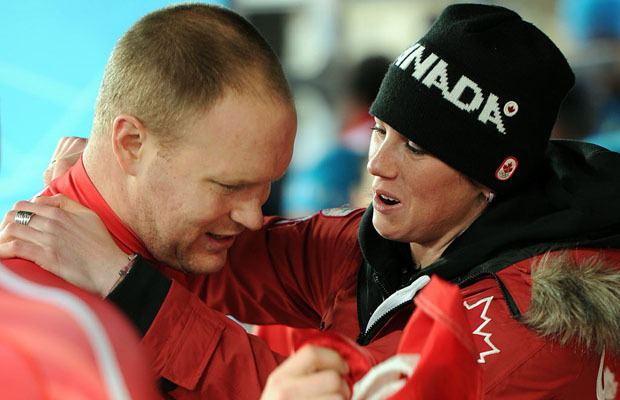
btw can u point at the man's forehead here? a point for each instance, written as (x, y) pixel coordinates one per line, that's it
(240, 174)
(240, 141)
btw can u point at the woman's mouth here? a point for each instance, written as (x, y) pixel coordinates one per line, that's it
(390, 201)
(385, 203)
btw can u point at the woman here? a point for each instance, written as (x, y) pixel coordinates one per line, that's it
(466, 188)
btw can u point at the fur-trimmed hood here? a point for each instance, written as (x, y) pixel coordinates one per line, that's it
(576, 302)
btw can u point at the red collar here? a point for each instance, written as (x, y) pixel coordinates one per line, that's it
(76, 184)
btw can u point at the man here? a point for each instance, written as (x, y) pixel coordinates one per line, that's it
(193, 121)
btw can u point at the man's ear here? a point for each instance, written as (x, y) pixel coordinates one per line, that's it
(128, 139)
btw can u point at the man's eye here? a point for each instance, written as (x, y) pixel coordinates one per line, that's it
(228, 188)
(415, 149)
(378, 130)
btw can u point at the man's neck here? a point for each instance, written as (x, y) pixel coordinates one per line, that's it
(108, 179)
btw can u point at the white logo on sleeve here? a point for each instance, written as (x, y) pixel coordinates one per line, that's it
(337, 212)
(385, 379)
(606, 384)
(486, 302)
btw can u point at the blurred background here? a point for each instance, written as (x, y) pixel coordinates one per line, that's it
(52, 56)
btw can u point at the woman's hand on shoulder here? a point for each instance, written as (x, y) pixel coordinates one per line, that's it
(65, 238)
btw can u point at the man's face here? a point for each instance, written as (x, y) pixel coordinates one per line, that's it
(193, 199)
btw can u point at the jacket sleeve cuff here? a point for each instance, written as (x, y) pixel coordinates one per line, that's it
(141, 294)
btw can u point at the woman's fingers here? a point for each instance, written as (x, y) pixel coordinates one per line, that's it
(61, 201)
(68, 145)
(39, 210)
(56, 208)
(18, 248)
(68, 151)
(62, 165)
(34, 231)
(35, 242)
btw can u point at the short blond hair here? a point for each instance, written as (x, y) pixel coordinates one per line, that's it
(181, 59)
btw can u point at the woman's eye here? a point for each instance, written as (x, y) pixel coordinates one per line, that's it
(415, 149)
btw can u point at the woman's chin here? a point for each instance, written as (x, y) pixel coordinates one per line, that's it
(385, 229)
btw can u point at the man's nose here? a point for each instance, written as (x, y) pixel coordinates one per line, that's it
(249, 214)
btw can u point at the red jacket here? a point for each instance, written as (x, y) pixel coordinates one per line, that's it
(436, 359)
(194, 344)
(199, 350)
(326, 270)
(59, 342)
(516, 361)
(304, 273)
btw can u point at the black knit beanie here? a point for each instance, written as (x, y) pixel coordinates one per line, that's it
(480, 91)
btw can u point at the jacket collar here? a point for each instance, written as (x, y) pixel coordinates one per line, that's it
(77, 185)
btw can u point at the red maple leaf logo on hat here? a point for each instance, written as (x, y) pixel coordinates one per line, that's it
(511, 108)
(507, 168)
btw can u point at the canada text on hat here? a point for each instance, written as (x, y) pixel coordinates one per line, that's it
(438, 76)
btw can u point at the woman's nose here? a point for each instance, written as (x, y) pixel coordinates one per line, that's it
(381, 161)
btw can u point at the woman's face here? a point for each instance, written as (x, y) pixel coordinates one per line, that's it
(416, 197)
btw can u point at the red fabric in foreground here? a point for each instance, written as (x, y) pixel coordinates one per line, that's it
(440, 333)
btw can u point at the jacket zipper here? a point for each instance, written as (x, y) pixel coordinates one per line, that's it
(366, 336)
(407, 293)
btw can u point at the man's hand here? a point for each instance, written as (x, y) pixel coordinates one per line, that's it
(68, 151)
(311, 373)
(66, 239)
